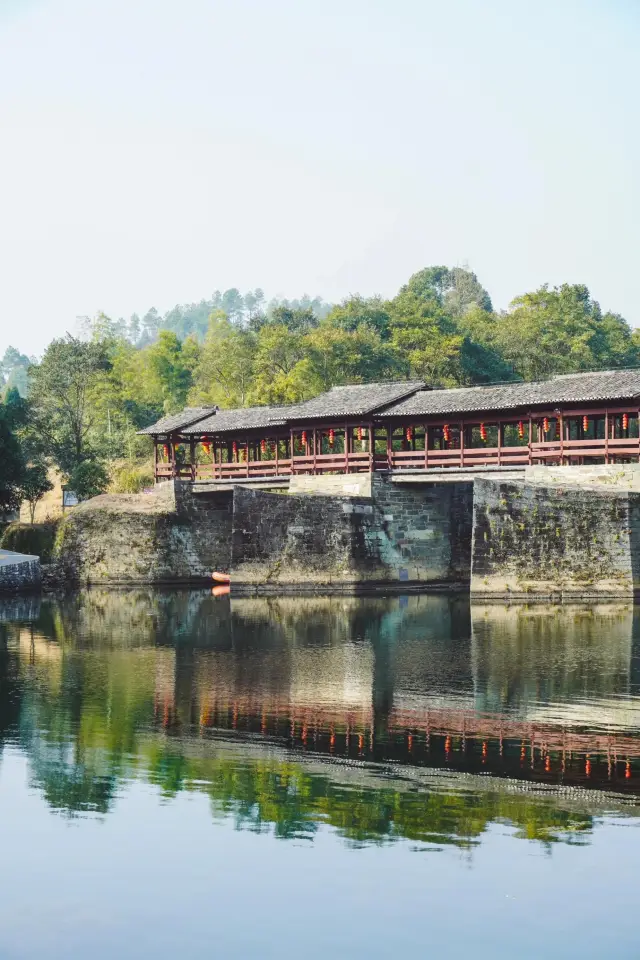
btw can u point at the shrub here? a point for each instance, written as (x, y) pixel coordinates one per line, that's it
(88, 479)
(132, 478)
(33, 538)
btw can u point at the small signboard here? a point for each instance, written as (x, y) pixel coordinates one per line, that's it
(69, 498)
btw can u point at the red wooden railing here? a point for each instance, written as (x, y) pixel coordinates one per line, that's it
(549, 452)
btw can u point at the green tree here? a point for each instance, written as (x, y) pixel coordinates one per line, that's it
(426, 338)
(173, 363)
(34, 484)
(14, 368)
(339, 355)
(356, 312)
(12, 465)
(88, 479)
(224, 372)
(281, 367)
(62, 386)
(560, 331)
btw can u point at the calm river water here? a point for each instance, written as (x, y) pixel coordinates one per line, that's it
(183, 775)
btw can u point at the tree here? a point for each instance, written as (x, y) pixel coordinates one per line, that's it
(456, 289)
(224, 372)
(281, 366)
(338, 355)
(173, 362)
(61, 393)
(88, 479)
(357, 311)
(34, 484)
(425, 338)
(560, 331)
(12, 466)
(13, 370)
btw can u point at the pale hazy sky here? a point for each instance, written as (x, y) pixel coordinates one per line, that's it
(155, 150)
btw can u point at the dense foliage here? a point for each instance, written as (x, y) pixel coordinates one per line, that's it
(89, 394)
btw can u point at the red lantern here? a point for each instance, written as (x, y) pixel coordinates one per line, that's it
(545, 424)
(359, 433)
(483, 433)
(585, 424)
(304, 438)
(521, 430)
(332, 437)
(234, 448)
(409, 434)
(263, 447)
(625, 421)
(165, 451)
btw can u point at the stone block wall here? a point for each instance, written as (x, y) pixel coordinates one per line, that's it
(166, 536)
(19, 572)
(401, 533)
(530, 539)
(424, 529)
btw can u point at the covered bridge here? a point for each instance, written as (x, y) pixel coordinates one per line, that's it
(404, 425)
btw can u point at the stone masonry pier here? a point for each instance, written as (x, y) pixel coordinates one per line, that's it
(566, 532)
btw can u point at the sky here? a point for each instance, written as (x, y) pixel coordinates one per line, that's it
(155, 151)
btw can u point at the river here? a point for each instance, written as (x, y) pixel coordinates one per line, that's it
(296, 777)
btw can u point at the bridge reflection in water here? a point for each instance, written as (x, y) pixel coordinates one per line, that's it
(535, 692)
(541, 693)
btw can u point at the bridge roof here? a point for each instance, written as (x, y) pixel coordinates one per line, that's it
(603, 386)
(243, 418)
(354, 400)
(178, 421)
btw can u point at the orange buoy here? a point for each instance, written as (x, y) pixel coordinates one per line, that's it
(221, 577)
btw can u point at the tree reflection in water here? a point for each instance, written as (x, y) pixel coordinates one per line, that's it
(255, 701)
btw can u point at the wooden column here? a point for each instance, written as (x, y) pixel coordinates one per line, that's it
(155, 459)
(389, 447)
(561, 422)
(291, 450)
(606, 436)
(499, 443)
(372, 444)
(192, 456)
(314, 440)
(530, 437)
(462, 444)
(346, 448)
(277, 445)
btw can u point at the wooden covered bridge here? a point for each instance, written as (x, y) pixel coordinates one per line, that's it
(579, 418)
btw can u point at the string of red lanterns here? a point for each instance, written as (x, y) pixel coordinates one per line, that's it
(332, 437)
(483, 433)
(409, 434)
(625, 421)
(446, 432)
(521, 430)
(585, 424)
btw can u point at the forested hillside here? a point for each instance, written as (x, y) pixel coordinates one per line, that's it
(80, 406)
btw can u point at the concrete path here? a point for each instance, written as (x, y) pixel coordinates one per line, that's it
(9, 557)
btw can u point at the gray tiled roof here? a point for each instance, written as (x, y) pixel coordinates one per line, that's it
(177, 421)
(354, 400)
(602, 386)
(244, 418)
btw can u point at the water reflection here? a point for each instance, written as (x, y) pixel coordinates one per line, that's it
(411, 698)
